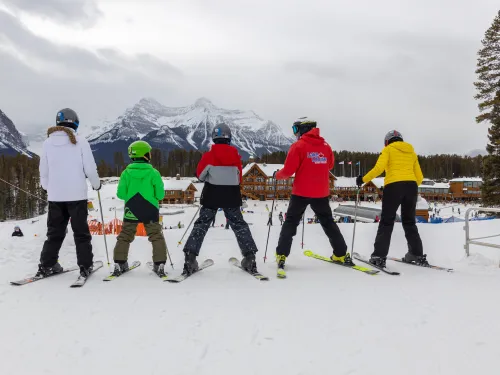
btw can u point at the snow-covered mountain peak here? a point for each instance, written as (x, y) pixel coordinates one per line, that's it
(204, 103)
(11, 141)
(190, 127)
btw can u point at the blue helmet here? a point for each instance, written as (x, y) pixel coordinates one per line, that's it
(67, 117)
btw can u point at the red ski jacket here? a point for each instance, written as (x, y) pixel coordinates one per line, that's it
(310, 159)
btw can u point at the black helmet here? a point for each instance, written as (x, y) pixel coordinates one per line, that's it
(221, 134)
(67, 117)
(392, 136)
(302, 126)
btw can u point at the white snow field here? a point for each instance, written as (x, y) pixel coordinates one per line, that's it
(323, 319)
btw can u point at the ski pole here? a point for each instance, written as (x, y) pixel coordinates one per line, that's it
(303, 222)
(103, 229)
(355, 220)
(272, 209)
(169, 257)
(196, 213)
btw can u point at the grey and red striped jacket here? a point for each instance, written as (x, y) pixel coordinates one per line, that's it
(220, 170)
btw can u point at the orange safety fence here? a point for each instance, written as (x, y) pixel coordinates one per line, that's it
(113, 227)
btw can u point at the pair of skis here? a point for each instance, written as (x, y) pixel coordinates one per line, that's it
(78, 283)
(389, 271)
(209, 262)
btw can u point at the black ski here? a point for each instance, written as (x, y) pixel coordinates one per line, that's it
(182, 277)
(80, 281)
(151, 265)
(32, 279)
(235, 262)
(383, 269)
(130, 267)
(418, 265)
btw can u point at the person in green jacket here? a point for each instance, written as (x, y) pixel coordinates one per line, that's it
(141, 187)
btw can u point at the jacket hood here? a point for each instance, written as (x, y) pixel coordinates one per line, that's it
(312, 137)
(60, 135)
(225, 155)
(403, 147)
(139, 170)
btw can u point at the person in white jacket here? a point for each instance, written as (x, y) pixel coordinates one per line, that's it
(65, 164)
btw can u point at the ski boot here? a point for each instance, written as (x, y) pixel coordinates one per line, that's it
(378, 261)
(419, 260)
(190, 264)
(281, 259)
(159, 269)
(248, 263)
(345, 260)
(120, 268)
(48, 271)
(86, 271)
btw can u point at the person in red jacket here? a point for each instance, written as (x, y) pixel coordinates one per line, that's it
(220, 169)
(310, 159)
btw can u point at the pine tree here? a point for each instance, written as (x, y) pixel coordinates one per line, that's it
(488, 93)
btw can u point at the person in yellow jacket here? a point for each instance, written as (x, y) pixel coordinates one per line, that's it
(402, 178)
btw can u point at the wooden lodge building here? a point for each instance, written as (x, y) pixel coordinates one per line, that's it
(179, 191)
(258, 183)
(458, 189)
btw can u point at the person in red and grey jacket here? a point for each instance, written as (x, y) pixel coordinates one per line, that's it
(220, 169)
(310, 159)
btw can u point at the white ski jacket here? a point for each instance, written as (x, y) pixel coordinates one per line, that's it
(65, 163)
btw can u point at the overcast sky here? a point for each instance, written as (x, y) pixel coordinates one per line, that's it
(360, 68)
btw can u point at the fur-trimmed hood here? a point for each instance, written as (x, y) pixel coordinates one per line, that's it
(68, 131)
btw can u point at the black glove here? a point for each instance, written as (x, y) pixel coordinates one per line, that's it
(359, 181)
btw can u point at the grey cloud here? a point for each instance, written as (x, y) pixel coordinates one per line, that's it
(82, 12)
(49, 76)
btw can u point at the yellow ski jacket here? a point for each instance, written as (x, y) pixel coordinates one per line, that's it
(400, 163)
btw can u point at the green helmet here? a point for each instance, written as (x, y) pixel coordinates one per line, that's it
(139, 149)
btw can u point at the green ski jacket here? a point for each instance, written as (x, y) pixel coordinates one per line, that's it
(141, 187)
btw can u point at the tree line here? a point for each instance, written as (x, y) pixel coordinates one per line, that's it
(436, 167)
(22, 174)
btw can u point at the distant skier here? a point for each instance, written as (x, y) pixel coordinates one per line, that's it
(310, 158)
(227, 224)
(141, 187)
(213, 221)
(453, 209)
(402, 178)
(270, 221)
(280, 217)
(65, 164)
(17, 232)
(459, 210)
(220, 169)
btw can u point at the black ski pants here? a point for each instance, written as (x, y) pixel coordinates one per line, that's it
(397, 194)
(321, 208)
(235, 221)
(57, 222)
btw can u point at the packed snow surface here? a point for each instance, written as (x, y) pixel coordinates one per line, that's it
(323, 319)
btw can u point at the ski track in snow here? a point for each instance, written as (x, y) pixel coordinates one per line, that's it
(322, 319)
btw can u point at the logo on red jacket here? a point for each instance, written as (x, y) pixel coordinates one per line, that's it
(317, 157)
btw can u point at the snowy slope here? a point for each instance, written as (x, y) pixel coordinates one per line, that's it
(11, 141)
(189, 128)
(323, 319)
